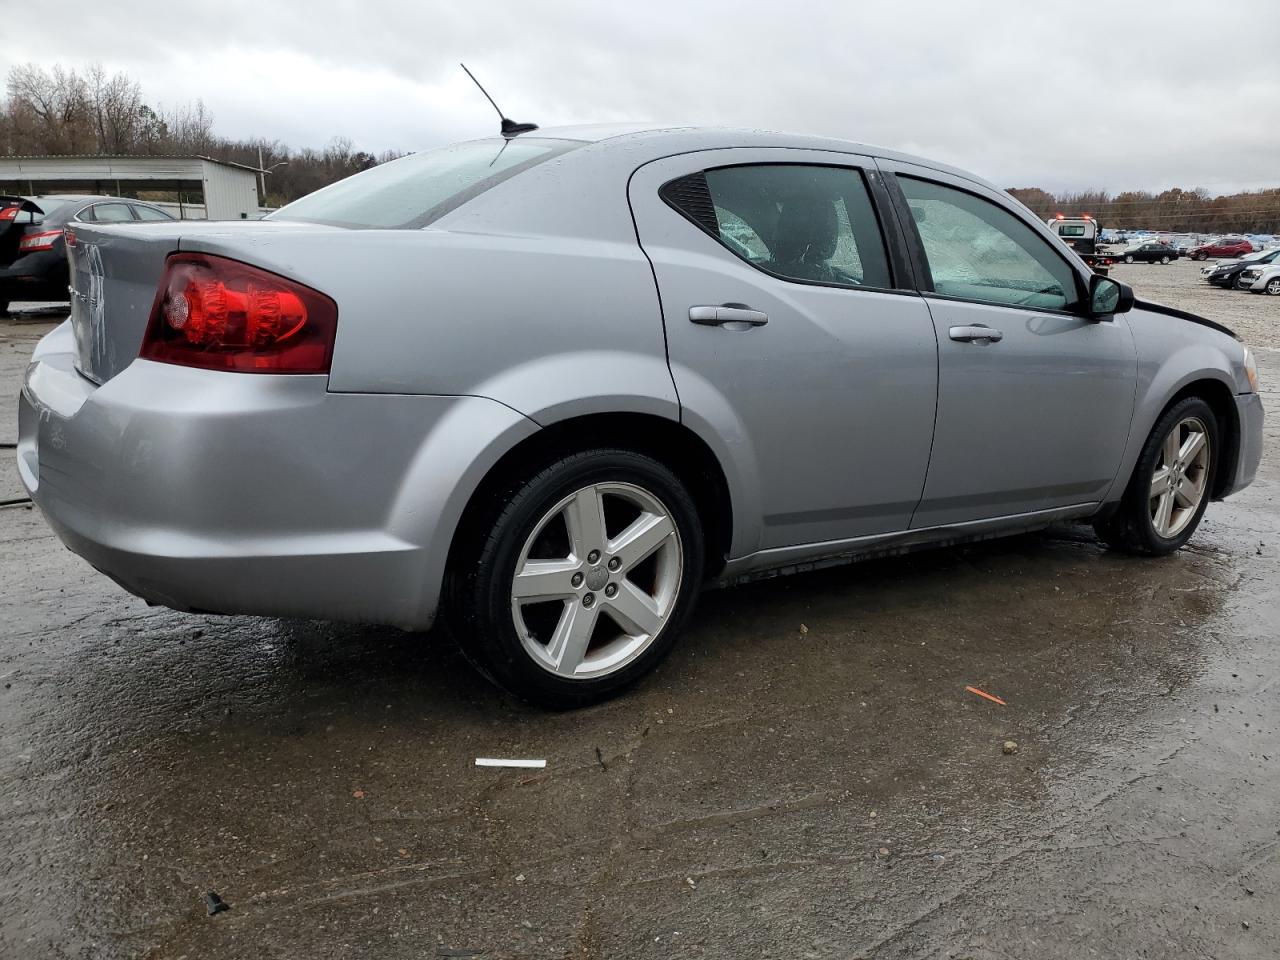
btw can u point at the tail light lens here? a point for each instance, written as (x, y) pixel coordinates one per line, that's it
(9, 213)
(35, 242)
(221, 314)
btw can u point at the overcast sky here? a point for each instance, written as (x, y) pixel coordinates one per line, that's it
(1109, 93)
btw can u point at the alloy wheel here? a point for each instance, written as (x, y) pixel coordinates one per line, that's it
(1180, 477)
(597, 580)
(1273, 287)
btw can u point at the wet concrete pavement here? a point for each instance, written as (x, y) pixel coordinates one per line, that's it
(772, 791)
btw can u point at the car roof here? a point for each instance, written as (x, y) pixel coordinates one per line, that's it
(72, 197)
(666, 139)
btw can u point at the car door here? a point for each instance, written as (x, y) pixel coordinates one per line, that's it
(1035, 415)
(792, 337)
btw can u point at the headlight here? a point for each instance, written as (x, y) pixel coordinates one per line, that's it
(1251, 369)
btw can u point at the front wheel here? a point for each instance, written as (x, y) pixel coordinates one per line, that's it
(1200, 256)
(1171, 483)
(1273, 286)
(582, 578)
(1164, 261)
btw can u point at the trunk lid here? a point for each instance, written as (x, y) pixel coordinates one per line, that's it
(115, 275)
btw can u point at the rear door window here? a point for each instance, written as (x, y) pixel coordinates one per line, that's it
(112, 213)
(812, 224)
(414, 190)
(150, 213)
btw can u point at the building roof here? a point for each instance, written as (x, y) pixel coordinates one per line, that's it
(113, 167)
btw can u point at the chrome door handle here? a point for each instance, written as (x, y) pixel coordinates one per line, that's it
(714, 316)
(977, 333)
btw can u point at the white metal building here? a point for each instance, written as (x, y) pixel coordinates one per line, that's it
(229, 190)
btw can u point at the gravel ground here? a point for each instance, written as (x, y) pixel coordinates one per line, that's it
(1255, 317)
(771, 791)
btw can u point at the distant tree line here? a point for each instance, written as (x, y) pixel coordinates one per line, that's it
(1173, 211)
(69, 111)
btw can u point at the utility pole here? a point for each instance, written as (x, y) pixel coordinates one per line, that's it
(262, 179)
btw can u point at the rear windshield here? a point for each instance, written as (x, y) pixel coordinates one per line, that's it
(50, 204)
(414, 190)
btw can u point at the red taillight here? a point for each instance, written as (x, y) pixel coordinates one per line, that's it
(225, 315)
(35, 242)
(70, 236)
(9, 213)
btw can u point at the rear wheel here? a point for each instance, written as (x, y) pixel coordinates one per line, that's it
(582, 578)
(1164, 261)
(1169, 490)
(1128, 258)
(4, 308)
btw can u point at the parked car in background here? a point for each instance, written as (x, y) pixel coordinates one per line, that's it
(1224, 273)
(1261, 279)
(551, 386)
(1222, 247)
(1150, 252)
(33, 259)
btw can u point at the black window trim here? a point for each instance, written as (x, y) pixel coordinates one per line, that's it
(899, 275)
(919, 257)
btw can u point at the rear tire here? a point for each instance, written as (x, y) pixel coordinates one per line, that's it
(1162, 507)
(4, 308)
(1164, 261)
(619, 609)
(1128, 258)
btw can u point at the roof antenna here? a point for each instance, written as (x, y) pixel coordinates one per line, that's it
(509, 127)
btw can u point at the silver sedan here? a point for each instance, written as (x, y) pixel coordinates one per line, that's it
(552, 385)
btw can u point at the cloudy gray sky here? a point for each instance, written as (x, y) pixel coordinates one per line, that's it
(1111, 93)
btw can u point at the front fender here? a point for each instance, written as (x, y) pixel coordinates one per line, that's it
(1172, 355)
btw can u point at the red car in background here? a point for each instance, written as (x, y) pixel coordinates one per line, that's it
(1224, 247)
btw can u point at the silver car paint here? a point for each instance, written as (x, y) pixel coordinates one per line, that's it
(531, 304)
(827, 351)
(1009, 437)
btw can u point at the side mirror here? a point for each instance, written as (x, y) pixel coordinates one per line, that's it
(1107, 297)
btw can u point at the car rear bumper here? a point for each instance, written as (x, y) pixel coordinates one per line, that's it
(254, 494)
(1249, 455)
(38, 276)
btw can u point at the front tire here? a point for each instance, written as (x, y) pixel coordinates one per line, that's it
(1200, 256)
(1273, 286)
(581, 578)
(1164, 261)
(1171, 484)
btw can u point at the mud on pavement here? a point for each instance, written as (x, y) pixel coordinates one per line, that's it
(805, 777)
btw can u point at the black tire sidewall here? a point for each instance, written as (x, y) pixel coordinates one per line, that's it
(483, 623)
(1136, 506)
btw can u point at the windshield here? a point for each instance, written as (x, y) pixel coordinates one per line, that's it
(414, 190)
